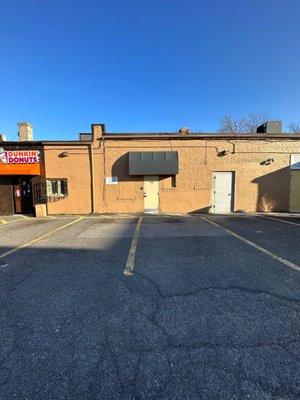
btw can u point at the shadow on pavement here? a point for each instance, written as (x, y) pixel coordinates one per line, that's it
(74, 327)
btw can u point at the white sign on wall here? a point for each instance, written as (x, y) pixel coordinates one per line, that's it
(295, 161)
(19, 156)
(111, 180)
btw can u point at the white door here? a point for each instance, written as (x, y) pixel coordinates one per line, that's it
(151, 194)
(295, 191)
(222, 192)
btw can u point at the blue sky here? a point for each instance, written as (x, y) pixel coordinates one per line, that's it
(146, 65)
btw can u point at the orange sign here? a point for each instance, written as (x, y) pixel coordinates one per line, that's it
(20, 162)
(21, 169)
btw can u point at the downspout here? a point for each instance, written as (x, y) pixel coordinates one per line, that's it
(92, 178)
(45, 178)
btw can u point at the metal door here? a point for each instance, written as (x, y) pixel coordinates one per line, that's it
(23, 195)
(6, 196)
(223, 195)
(295, 191)
(18, 198)
(151, 194)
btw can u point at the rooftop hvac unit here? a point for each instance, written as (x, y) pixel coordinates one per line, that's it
(270, 127)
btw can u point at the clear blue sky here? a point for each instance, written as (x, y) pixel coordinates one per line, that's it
(139, 65)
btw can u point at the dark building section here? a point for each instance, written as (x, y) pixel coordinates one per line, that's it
(6, 196)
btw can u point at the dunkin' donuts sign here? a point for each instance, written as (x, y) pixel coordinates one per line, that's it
(19, 156)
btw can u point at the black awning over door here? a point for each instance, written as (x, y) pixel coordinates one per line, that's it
(153, 163)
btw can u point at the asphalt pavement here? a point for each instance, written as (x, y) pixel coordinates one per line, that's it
(206, 312)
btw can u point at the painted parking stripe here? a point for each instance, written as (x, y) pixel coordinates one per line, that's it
(128, 271)
(256, 246)
(3, 222)
(280, 220)
(38, 239)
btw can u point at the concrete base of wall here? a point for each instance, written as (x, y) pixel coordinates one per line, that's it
(40, 210)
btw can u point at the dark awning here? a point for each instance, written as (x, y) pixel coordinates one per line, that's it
(153, 163)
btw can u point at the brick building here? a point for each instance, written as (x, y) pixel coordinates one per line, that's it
(166, 172)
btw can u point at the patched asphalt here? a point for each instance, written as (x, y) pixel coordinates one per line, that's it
(204, 316)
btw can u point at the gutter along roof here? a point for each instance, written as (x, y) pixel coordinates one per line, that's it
(112, 136)
(153, 136)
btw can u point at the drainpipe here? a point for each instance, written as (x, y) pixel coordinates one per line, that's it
(92, 179)
(97, 130)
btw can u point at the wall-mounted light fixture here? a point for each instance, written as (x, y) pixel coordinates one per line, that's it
(223, 153)
(63, 154)
(267, 162)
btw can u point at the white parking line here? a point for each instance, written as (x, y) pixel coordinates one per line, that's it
(277, 219)
(128, 271)
(256, 246)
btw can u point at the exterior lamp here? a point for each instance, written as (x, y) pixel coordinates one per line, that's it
(64, 154)
(267, 162)
(223, 153)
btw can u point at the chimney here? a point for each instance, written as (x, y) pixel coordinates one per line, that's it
(270, 127)
(98, 130)
(25, 132)
(184, 131)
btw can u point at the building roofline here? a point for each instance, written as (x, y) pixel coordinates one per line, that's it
(62, 142)
(44, 142)
(153, 136)
(165, 135)
(21, 143)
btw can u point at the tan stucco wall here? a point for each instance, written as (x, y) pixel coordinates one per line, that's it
(257, 187)
(76, 168)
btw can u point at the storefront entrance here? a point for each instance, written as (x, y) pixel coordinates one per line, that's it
(19, 163)
(23, 201)
(16, 195)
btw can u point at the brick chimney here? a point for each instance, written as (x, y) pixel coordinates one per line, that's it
(184, 131)
(25, 132)
(98, 130)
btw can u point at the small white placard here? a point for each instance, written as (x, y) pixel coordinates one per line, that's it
(111, 180)
(295, 161)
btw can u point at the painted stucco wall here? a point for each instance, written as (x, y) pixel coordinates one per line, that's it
(257, 187)
(76, 168)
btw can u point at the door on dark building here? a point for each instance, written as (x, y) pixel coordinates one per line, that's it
(18, 198)
(6, 196)
(23, 195)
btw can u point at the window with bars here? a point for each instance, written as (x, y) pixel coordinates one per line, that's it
(57, 187)
(47, 190)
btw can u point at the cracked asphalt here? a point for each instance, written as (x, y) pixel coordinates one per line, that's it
(204, 315)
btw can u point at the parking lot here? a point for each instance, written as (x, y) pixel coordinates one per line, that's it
(150, 307)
